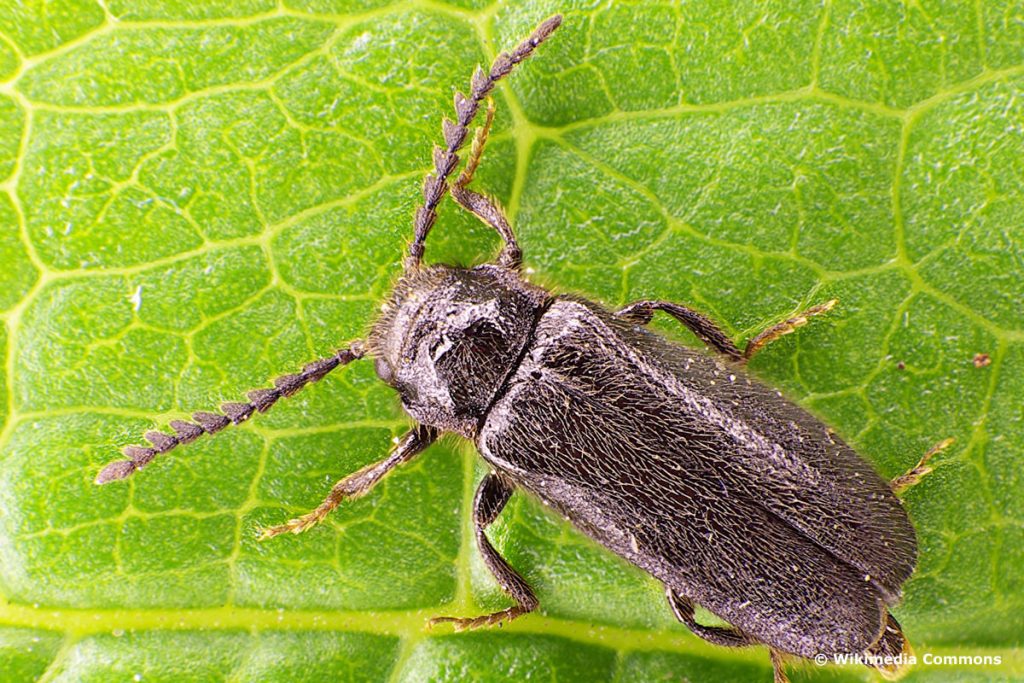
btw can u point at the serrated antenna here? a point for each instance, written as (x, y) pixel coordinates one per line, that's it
(446, 158)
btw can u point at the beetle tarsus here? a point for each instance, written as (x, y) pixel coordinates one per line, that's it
(494, 619)
(778, 666)
(491, 496)
(414, 442)
(300, 524)
(785, 327)
(479, 142)
(916, 473)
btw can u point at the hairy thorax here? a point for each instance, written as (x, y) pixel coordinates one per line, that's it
(448, 339)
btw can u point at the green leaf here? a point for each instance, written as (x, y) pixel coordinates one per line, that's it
(198, 197)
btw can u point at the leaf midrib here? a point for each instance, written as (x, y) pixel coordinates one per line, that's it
(410, 625)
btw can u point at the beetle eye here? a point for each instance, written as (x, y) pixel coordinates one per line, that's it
(383, 370)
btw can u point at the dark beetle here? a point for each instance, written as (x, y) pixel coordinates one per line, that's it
(735, 498)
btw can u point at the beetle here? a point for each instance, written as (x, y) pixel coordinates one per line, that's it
(674, 458)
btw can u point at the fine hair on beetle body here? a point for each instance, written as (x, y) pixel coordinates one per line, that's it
(674, 458)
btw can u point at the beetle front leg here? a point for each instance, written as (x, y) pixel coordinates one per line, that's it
(446, 158)
(477, 150)
(414, 442)
(490, 498)
(487, 210)
(483, 207)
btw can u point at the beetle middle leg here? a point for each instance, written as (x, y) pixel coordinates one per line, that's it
(414, 442)
(642, 312)
(785, 327)
(918, 471)
(490, 498)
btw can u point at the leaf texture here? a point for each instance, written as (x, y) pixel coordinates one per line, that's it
(198, 197)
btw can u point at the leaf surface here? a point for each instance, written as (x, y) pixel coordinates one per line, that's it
(198, 197)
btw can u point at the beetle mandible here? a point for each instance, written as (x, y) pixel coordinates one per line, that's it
(675, 459)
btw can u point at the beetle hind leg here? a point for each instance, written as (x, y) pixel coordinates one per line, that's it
(778, 666)
(727, 636)
(483, 621)
(892, 650)
(490, 498)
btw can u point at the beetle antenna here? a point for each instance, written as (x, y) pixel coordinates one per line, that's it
(234, 412)
(466, 108)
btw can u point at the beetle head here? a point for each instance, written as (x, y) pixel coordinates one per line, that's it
(448, 337)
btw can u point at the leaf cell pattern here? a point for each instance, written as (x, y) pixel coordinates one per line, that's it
(196, 197)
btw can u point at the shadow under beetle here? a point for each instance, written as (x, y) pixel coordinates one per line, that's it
(676, 460)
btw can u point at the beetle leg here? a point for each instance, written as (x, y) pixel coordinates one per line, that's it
(707, 331)
(414, 442)
(641, 312)
(490, 498)
(785, 327)
(728, 636)
(778, 666)
(477, 150)
(890, 648)
(918, 471)
(446, 158)
(487, 210)
(482, 206)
